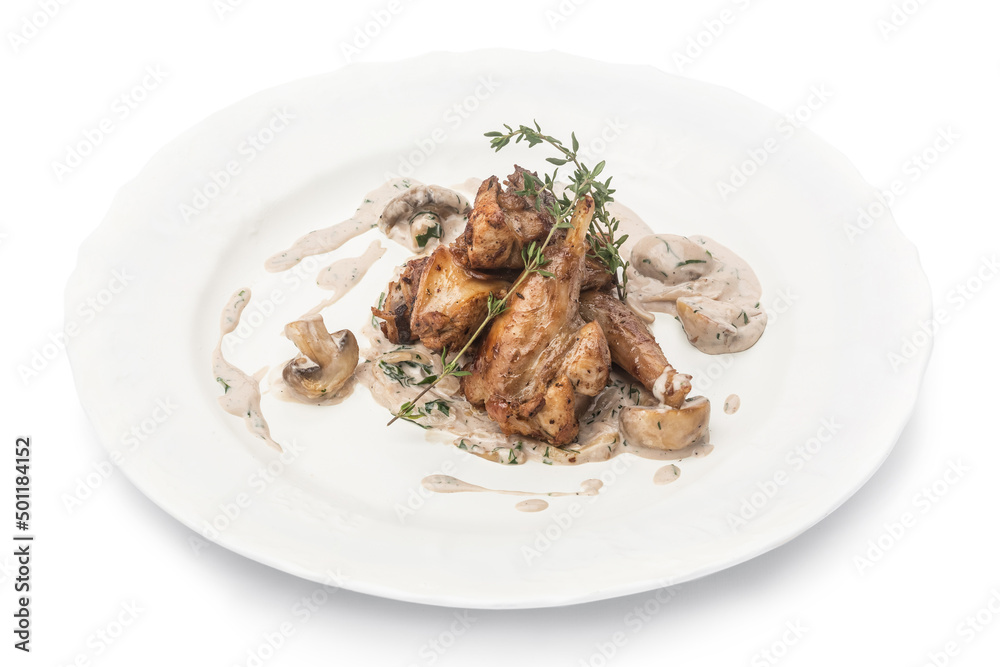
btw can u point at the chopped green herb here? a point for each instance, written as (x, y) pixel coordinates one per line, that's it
(440, 404)
(381, 303)
(433, 232)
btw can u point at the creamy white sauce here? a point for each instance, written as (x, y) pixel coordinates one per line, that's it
(532, 505)
(242, 392)
(731, 405)
(418, 229)
(344, 274)
(698, 450)
(392, 373)
(329, 239)
(278, 388)
(449, 484)
(666, 475)
(660, 386)
(712, 291)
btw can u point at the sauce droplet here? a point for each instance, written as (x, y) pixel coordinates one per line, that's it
(666, 474)
(449, 484)
(532, 505)
(731, 405)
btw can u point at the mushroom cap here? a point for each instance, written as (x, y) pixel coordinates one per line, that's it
(326, 361)
(665, 428)
(718, 327)
(671, 259)
(417, 200)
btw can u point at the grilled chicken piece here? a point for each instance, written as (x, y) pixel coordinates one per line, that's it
(595, 275)
(451, 301)
(539, 356)
(634, 348)
(502, 224)
(398, 304)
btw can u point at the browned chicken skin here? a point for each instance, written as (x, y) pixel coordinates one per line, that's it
(553, 346)
(538, 356)
(398, 305)
(633, 346)
(502, 224)
(451, 302)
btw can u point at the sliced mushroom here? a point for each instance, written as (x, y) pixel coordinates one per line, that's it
(714, 294)
(665, 428)
(327, 361)
(717, 327)
(671, 259)
(420, 209)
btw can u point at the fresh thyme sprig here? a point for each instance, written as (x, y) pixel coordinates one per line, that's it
(603, 227)
(534, 259)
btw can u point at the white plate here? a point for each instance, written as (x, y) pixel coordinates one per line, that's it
(821, 377)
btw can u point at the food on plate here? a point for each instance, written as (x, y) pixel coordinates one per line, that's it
(504, 221)
(420, 210)
(451, 301)
(520, 327)
(539, 360)
(665, 427)
(633, 347)
(713, 292)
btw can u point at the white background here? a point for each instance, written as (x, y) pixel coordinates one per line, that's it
(894, 88)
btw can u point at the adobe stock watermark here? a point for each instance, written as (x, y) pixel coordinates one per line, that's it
(592, 149)
(122, 107)
(719, 365)
(258, 482)
(375, 24)
(271, 642)
(778, 650)
(32, 24)
(434, 648)
(452, 119)
(263, 306)
(922, 502)
(559, 13)
(88, 483)
(966, 632)
(223, 8)
(784, 130)
(562, 521)
(219, 180)
(101, 640)
(912, 171)
(795, 460)
(417, 497)
(900, 14)
(633, 623)
(42, 357)
(957, 299)
(711, 30)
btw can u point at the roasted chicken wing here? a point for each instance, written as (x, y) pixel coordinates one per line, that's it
(451, 301)
(397, 307)
(539, 356)
(634, 348)
(502, 223)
